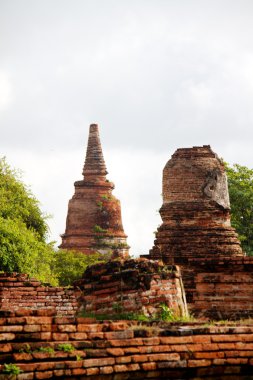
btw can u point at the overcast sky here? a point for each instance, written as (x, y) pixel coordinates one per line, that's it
(156, 75)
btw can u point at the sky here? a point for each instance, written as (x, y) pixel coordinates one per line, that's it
(156, 75)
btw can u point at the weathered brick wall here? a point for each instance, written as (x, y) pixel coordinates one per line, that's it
(223, 287)
(18, 291)
(138, 286)
(219, 287)
(120, 349)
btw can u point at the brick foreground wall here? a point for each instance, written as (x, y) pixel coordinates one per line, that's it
(136, 285)
(120, 349)
(18, 291)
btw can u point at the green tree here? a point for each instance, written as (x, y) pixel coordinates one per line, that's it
(23, 229)
(18, 203)
(69, 266)
(240, 185)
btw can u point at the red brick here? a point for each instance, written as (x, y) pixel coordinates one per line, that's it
(45, 366)
(127, 334)
(133, 367)
(147, 349)
(78, 371)
(106, 370)
(63, 320)
(59, 372)
(45, 336)
(74, 364)
(179, 348)
(115, 351)
(66, 328)
(98, 362)
(28, 367)
(14, 328)
(16, 321)
(194, 347)
(6, 347)
(201, 339)
(209, 355)
(41, 355)
(199, 363)
(126, 342)
(47, 328)
(78, 336)
(151, 341)
(226, 346)
(22, 356)
(139, 358)
(163, 357)
(123, 359)
(211, 346)
(117, 326)
(60, 336)
(85, 320)
(92, 371)
(131, 350)
(120, 368)
(32, 328)
(38, 320)
(6, 336)
(25, 376)
(151, 366)
(89, 328)
(44, 375)
(176, 339)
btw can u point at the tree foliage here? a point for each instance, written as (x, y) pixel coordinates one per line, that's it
(22, 251)
(240, 184)
(69, 266)
(18, 203)
(23, 229)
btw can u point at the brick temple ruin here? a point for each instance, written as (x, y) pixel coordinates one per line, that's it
(195, 265)
(94, 221)
(196, 234)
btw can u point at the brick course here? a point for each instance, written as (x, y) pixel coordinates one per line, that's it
(174, 346)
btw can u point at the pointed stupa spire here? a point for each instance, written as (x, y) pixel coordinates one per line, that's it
(94, 165)
(94, 221)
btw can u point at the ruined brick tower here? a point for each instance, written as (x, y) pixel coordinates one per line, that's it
(94, 215)
(196, 209)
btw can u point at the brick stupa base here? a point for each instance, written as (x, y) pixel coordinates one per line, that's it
(196, 209)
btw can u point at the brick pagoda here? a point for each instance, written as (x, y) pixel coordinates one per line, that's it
(196, 208)
(94, 215)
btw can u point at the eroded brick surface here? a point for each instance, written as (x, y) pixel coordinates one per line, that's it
(139, 286)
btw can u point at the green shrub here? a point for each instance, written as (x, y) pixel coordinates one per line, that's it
(66, 347)
(12, 369)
